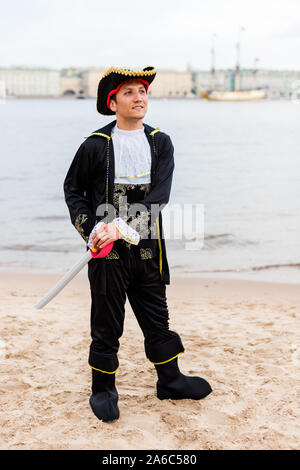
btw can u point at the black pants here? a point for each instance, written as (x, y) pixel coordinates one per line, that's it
(140, 280)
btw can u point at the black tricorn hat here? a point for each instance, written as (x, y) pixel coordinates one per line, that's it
(113, 78)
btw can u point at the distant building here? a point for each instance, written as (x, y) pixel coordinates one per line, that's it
(80, 82)
(71, 82)
(277, 83)
(220, 80)
(25, 82)
(90, 80)
(76, 82)
(2, 91)
(168, 84)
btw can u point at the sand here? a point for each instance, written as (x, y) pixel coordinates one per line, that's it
(241, 336)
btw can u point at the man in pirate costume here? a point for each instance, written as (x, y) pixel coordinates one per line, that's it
(125, 165)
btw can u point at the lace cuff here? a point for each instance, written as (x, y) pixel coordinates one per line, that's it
(126, 232)
(90, 244)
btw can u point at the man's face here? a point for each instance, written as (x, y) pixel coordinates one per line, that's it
(132, 101)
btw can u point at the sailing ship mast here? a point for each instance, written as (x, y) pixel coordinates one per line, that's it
(237, 81)
(254, 85)
(236, 94)
(213, 69)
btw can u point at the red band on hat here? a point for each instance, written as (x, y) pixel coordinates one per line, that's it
(112, 92)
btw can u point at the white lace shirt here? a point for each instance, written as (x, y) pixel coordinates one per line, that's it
(132, 156)
(132, 165)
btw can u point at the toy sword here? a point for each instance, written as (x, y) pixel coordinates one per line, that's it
(72, 273)
(126, 232)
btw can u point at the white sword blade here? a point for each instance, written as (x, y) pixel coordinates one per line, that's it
(65, 280)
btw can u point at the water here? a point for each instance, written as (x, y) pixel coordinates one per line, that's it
(240, 160)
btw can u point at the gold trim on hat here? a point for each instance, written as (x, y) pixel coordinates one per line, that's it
(130, 73)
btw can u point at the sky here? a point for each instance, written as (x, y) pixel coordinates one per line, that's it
(167, 34)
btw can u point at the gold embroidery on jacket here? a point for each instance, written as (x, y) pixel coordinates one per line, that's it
(140, 223)
(78, 225)
(113, 255)
(146, 253)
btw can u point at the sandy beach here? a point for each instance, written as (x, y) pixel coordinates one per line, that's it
(241, 336)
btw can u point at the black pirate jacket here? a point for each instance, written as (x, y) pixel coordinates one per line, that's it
(90, 181)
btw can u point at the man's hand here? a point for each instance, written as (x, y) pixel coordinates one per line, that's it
(104, 235)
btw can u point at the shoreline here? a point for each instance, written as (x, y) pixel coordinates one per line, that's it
(194, 287)
(276, 275)
(239, 335)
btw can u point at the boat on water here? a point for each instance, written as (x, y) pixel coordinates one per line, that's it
(236, 95)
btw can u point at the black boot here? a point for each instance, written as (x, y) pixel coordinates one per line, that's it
(173, 384)
(104, 399)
